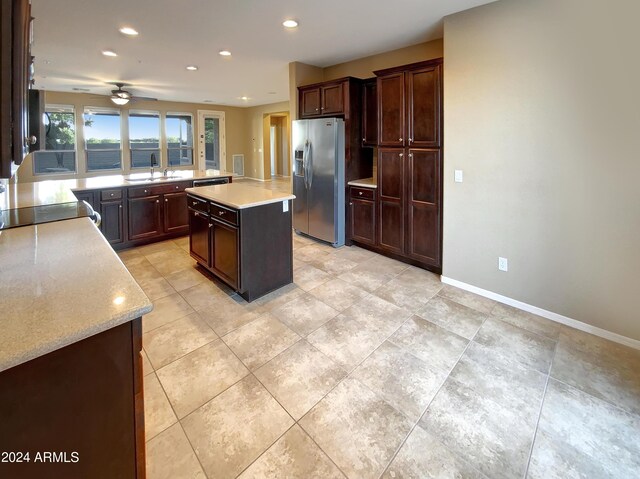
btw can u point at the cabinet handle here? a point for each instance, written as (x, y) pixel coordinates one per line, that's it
(166, 200)
(401, 155)
(220, 212)
(410, 155)
(399, 139)
(210, 225)
(157, 201)
(316, 109)
(410, 140)
(364, 139)
(120, 206)
(194, 203)
(146, 191)
(360, 193)
(195, 213)
(177, 187)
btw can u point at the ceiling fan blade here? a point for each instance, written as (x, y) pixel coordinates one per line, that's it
(143, 98)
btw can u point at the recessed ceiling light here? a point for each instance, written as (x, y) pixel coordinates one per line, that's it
(109, 53)
(192, 68)
(245, 98)
(290, 23)
(132, 32)
(225, 53)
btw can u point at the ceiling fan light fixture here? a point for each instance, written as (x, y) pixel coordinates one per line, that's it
(119, 100)
(129, 31)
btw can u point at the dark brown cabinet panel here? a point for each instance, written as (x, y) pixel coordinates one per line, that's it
(112, 221)
(175, 213)
(144, 217)
(423, 107)
(391, 199)
(89, 197)
(200, 237)
(332, 99)
(363, 221)
(391, 109)
(424, 206)
(225, 252)
(370, 113)
(310, 102)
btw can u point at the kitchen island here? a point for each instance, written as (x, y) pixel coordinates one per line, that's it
(70, 364)
(242, 235)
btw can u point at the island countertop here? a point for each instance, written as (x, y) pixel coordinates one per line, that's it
(61, 283)
(50, 192)
(239, 196)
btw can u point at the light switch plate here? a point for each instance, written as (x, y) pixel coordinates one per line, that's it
(503, 264)
(457, 176)
(285, 206)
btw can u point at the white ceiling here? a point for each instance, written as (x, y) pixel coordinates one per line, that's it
(69, 36)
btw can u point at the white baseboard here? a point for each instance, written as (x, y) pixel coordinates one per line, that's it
(558, 318)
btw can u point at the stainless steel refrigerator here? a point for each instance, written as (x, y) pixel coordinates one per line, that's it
(318, 179)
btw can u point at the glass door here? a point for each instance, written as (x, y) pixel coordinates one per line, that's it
(211, 140)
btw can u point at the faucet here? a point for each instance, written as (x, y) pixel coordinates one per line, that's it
(165, 172)
(152, 163)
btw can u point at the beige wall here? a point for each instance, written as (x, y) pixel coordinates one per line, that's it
(235, 119)
(364, 67)
(541, 115)
(300, 74)
(254, 137)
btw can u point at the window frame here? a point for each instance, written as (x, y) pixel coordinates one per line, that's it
(150, 113)
(192, 166)
(101, 109)
(64, 109)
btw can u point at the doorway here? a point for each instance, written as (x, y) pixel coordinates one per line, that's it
(276, 145)
(211, 140)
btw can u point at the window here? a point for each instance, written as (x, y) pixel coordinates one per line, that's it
(179, 128)
(59, 153)
(103, 143)
(144, 138)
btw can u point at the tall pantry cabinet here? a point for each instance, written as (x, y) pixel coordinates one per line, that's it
(410, 163)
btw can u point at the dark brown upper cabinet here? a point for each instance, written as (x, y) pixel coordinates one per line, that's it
(309, 102)
(423, 107)
(409, 105)
(325, 99)
(370, 113)
(391, 109)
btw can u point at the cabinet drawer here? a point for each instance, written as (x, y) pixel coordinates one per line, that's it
(223, 213)
(140, 191)
(115, 194)
(197, 204)
(362, 193)
(170, 187)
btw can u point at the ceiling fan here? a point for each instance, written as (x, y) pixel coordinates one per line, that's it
(121, 96)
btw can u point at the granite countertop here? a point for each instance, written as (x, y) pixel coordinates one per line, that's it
(61, 283)
(364, 183)
(239, 196)
(48, 192)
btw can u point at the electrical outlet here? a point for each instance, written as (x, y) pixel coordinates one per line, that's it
(457, 176)
(503, 264)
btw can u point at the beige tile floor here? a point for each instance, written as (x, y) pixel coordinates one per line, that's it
(365, 367)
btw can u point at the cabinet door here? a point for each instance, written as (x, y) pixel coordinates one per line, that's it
(391, 199)
(112, 221)
(332, 97)
(176, 213)
(200, 237)
(424, 172)
(391, 109)
(225, 252)
(369, 113)
(363, 221)
(423, 115)
(144, 217)
(309, 102)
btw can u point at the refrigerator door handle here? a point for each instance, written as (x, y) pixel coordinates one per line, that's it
(306, 159)
(310, 163)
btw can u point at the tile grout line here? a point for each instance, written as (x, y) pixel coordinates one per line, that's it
(431, 401)
(544, 396)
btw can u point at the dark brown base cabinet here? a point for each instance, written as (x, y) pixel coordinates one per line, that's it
(249, 249)
(363, 215)
(137, 215)
(83, 401)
